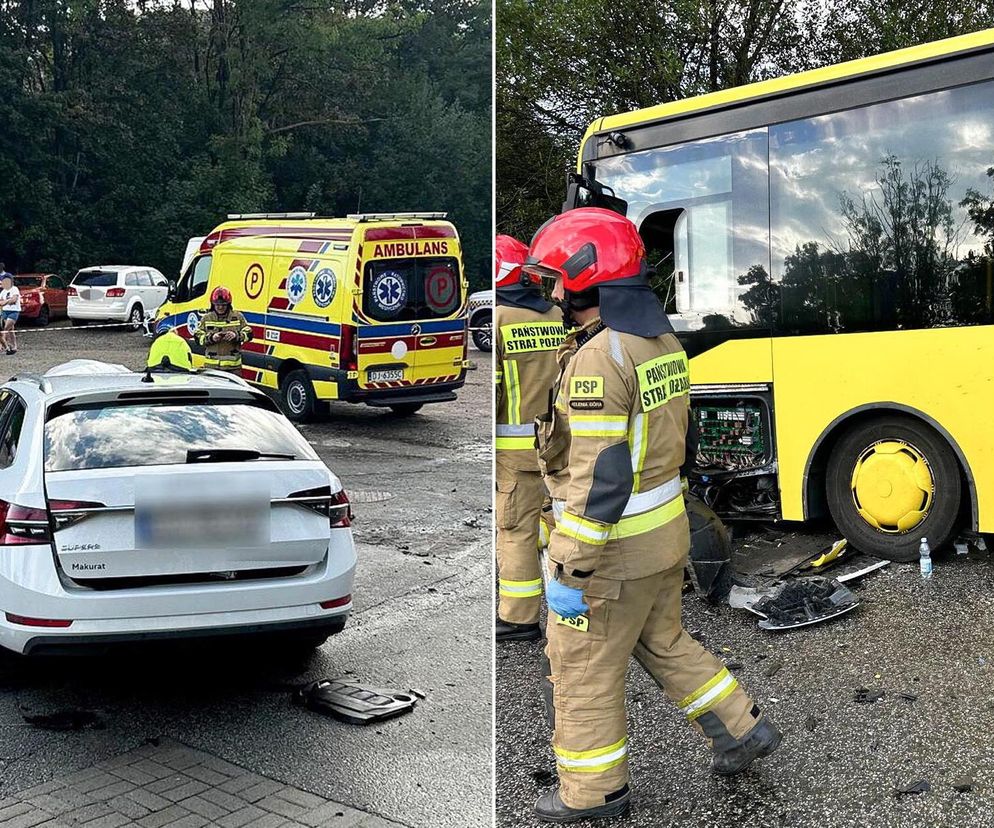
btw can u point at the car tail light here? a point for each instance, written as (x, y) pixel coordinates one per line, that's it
(336, 602)
(335, 507)
(71, 291)
(36, 622)
(340, 510)
(68, 512)
(21, 525)
(115, 293)
(347, 348)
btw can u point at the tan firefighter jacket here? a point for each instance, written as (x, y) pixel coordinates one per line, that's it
(226, 353)
(525, 373)
(611, 448)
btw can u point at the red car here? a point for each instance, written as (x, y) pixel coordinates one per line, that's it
(43, 297)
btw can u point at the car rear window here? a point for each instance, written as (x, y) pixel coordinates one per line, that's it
(404, 289)
(143, 434)
(96, 278)
(27, 281)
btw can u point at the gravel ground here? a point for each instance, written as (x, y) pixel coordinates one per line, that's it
(422, 493)
(931, 640)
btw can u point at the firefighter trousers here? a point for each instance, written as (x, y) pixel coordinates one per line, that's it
(588, 661)
(518, 513)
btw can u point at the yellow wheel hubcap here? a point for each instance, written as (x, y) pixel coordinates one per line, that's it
(892, 486)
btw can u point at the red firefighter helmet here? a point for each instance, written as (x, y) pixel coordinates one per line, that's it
(221, 295)
(588, 246)
(509, 255)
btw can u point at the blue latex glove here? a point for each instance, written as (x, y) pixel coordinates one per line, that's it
(565, 601)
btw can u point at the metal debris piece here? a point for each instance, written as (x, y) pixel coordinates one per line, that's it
(355, 703)
(921, 786)
(804, 601)
(709, 564)
(859, 573)
(908, 696)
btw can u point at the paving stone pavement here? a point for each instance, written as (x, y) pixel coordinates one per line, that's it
(169, 785)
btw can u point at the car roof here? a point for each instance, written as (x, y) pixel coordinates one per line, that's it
(111, 384)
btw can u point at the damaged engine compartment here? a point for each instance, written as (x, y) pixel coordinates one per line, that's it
(735, 469)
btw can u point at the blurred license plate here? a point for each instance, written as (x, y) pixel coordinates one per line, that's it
(197, 513)
(386, 375)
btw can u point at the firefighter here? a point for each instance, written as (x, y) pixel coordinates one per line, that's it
(529, 332)
(222, 332)
(170, 351)
(611, 447)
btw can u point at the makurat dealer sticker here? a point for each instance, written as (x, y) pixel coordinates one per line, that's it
(389, 292)
(324, 287)
(440, 289)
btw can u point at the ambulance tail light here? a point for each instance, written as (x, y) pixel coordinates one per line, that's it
(347, 346)
(115, 292)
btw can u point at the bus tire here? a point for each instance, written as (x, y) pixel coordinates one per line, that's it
(406, 409)
(893, 461)
(298, 397)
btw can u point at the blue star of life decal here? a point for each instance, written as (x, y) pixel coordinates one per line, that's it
(296, 285)
(389, 291)
(192, 322)
(324, 287)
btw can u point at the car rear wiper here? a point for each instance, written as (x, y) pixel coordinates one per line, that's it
(226, 455)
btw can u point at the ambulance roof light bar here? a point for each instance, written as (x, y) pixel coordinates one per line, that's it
(240, 216)
(395, 216)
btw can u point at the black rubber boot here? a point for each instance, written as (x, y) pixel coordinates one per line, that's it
(762, 740)
(506, 631)
(550, 808)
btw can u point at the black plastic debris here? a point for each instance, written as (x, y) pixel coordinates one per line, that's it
(64, 720)
(350, 701)
(963, 784)
(866, 696)
(908, 697)
(810, 723)
(804, 601)
(919, 787)
(709, 564)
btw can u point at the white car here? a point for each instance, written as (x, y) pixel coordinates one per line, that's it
(481, 309)
(116, 293)
(162, 505)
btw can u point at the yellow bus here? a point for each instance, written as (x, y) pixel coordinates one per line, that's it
(370, 308)
(823, 246)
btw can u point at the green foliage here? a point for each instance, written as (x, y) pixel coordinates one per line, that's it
(126, 128)
(563, 65)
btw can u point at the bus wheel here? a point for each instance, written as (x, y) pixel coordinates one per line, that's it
(297, 394)
(891, 482)
(405, 409)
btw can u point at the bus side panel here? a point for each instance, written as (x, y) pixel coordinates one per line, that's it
(939, 372)
(303, 311)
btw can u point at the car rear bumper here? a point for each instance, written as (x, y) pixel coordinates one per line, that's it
(31, 587)
(117, 311)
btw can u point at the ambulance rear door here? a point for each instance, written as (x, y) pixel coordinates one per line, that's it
(410, 306)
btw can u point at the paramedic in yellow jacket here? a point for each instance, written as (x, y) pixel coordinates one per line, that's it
(611, 447)
(221, 332)
(529, 330)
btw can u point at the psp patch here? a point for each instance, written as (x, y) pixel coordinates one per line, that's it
(324, 287)
(590, 388)
(296, 285)
(389, 292)
(580, 623)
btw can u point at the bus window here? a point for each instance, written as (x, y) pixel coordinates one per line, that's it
(706, 204)
(873, 215)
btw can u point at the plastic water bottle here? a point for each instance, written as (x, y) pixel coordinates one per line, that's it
(925, 559)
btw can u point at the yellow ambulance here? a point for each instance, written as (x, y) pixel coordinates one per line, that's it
(370, 308)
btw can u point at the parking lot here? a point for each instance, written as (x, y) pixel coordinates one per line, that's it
(217, 722)
(926, 645)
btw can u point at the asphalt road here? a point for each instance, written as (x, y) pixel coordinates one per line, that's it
(929, 640)
(421, 489)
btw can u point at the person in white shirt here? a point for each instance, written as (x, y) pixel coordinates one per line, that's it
(10, 310)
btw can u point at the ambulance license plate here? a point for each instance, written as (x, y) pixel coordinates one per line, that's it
(386, 375)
